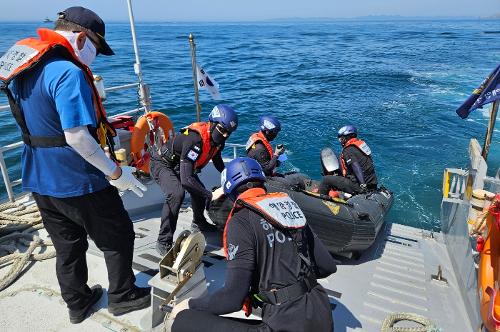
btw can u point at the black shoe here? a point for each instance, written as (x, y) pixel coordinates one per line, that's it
(138, 298)
(163, 249)
(203, 227)
(78, 315)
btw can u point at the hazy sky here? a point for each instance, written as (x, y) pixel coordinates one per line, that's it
(223, 10)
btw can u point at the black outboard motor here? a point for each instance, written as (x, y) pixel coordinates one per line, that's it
(329, 162)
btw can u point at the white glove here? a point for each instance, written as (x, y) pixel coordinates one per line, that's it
(183, 305)
(280, 148)
(217, 193)
(127, 180)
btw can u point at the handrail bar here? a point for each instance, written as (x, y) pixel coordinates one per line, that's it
(235, 147)
(11, 146)
(110, 89)
(3, 167)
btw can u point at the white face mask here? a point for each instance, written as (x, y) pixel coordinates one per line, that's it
(88, 52)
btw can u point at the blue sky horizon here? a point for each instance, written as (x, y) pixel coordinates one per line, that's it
(256, 10)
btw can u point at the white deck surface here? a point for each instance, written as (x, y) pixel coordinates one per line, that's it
(394, 275)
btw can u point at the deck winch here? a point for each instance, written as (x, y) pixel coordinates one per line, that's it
(181, 275)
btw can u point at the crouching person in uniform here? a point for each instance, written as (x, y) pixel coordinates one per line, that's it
(259, 147)
(273, 261)
(175, 169)
(358, 169)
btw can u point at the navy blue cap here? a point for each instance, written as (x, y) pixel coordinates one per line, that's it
(90, 21)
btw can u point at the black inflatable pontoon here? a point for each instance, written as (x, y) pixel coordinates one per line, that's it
(344, 226)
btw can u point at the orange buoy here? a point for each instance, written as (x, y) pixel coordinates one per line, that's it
(139, 143)
(489, 270)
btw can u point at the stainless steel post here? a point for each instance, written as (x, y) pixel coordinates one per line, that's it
(192, 45)
(143, 89)
(6, 179)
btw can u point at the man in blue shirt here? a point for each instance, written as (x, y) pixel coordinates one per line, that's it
(62, 121)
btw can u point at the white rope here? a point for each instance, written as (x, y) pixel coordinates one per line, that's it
(17, 222)
(426, 325)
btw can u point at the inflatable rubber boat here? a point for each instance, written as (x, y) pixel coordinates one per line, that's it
(345, 225)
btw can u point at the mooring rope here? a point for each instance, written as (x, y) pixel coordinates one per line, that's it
(426, 324)
(17, 224)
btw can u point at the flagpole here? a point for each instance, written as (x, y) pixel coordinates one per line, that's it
(195, 77)
(489, 132)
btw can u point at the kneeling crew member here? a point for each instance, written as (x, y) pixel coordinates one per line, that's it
(259, 148)
(273, 258)
(358, 170)
(175, 168)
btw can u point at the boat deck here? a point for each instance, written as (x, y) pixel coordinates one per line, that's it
(394, 275)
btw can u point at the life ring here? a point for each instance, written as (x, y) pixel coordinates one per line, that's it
(489, 270)
(138, 143)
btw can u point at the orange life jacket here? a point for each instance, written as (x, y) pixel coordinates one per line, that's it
(360, 144)
(259, 137)
(207, 150)
(27, 54)
(277, 208)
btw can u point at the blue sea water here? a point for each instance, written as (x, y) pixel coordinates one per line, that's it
(398, 81)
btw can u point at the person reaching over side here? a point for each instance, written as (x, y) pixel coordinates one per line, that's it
(176, 166)
(273, 261)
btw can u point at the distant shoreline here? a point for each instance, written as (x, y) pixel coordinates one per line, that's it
(381, 18)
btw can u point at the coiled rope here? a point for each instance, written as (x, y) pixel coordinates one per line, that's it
(17, 224)
(426, 324)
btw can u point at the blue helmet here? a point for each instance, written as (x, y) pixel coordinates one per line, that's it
(347, 130)
(226, 116)
(269, 122)
(239, 171)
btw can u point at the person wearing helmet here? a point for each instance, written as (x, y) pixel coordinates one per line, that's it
(175, 167)
(358, 170)
(258, 146)
(273, 261)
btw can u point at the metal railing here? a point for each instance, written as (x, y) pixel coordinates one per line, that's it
(492, 184)
(9, 185)
(235, 148)
(3, 166)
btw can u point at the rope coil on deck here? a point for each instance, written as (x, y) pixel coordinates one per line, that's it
(426, 324)
(17, 224)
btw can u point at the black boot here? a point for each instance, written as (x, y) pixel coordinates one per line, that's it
(78, 315)
(138, 298)
(163, 249)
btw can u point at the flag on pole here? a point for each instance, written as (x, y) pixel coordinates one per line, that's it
(487, 92)
(208, 83)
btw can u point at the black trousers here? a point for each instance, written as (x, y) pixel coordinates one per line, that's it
(170, 183)
(102, 216)
(193, 321)
(338, 183)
